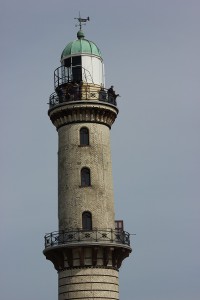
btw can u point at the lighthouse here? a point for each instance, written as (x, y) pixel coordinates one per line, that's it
(89, 245)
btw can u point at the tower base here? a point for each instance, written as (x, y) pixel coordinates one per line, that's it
(88, 283)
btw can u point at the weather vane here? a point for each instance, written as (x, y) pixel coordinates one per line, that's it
(81, 21)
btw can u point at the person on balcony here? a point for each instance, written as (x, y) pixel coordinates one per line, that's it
(60, 94)
(69, 92)
(102, 94)
(112, 95)
(75, 90)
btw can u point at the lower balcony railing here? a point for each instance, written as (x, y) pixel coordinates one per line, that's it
(74, 236)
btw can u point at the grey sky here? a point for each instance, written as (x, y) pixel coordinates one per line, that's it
(151, 52)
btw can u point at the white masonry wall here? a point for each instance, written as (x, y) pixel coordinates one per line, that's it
(95, 67)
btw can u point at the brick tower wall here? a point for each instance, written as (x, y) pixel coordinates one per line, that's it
(91, 283)
(73, 199)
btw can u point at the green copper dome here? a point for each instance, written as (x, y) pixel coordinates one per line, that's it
(81, 45)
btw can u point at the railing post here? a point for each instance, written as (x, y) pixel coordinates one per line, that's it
(51, 239)
(128, 235)
(63, 235)
(78, 234)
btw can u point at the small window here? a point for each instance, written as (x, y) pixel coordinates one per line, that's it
(84, 136)
(85, 177)
(87, 220)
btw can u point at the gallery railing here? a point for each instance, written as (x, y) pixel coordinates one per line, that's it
(62, 96)
(64, 75)
(74, 236)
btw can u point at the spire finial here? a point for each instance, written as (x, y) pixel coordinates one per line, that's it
(81, 20)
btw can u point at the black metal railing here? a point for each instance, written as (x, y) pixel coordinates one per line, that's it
(63, 75)
(80, 93)
(97, 235)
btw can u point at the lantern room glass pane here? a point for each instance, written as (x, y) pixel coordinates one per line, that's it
(76, 69)
(67, 62)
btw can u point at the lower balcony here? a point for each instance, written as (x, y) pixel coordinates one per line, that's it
(100, 236)
(96, 248)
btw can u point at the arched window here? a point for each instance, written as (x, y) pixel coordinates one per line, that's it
(84, 136)
(85, 177)
(87, 220)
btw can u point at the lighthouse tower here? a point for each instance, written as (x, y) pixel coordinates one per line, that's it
(89, 246)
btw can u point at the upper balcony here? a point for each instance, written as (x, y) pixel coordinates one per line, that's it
(76, 84)
(80, 93)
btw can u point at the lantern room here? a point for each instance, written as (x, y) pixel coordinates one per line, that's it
(83, 61)
(80, 77)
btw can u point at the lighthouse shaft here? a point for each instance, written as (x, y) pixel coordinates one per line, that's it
(88, 250)
(89, 246)
(85, 177)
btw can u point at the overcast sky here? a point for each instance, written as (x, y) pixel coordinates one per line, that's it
(151, 51)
